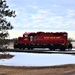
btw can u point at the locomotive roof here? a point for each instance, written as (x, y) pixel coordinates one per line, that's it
(33, 33)
(42, 32)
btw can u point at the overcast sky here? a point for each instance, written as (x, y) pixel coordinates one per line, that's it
(43, 15)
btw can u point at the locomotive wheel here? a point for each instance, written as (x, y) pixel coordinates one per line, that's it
(23, 48)
(62, 49)
(51, 49)
(31, 48)
(28, 48)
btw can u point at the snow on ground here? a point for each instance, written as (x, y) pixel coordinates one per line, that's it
(32, 59)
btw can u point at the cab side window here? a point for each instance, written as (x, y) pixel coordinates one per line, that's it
(31, 38)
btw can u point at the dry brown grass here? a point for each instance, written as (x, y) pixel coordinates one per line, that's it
(6, 56)
(52, 70)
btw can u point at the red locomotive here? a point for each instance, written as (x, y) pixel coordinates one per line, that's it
(51, 40)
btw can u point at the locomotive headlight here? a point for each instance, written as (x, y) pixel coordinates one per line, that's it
(63, 44)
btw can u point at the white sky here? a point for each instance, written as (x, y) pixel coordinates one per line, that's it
(42, 15)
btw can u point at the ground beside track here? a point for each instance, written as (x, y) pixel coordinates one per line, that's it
(53, 70)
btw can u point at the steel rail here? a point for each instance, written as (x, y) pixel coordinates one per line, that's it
(39, 51)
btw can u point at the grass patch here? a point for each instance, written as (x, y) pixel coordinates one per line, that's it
(6, 56)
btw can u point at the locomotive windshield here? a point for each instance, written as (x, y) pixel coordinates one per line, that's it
(65, 34)
(26, 36)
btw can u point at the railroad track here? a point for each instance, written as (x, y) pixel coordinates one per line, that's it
(39, 51)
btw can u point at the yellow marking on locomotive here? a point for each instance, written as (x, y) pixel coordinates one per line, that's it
(52, 37)
(46, 37)
(57, 37)
(25, 39)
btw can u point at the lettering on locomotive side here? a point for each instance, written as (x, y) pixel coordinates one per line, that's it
(57, 37)
(46, 37)
(52, 37)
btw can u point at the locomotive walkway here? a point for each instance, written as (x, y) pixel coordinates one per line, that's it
(39, 51)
